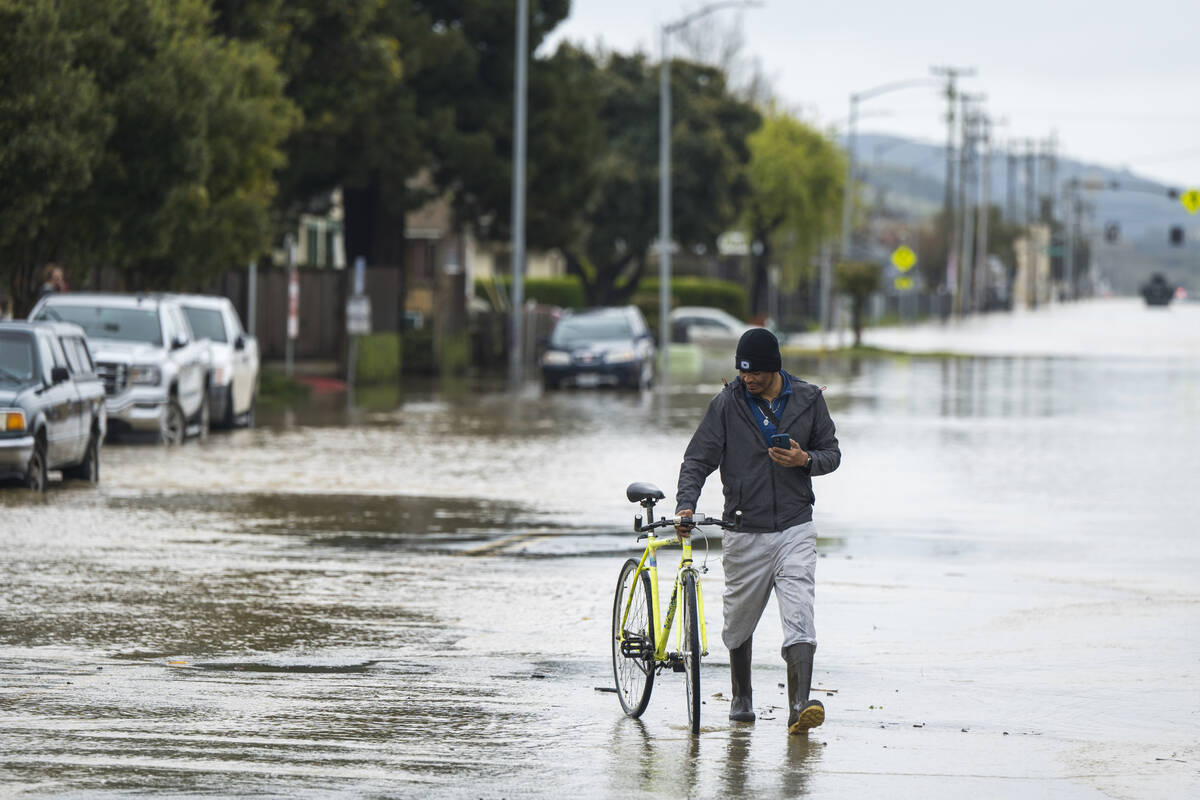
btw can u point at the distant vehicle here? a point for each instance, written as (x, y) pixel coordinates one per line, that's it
(52, 408)
(600, 347)
(696, 323)
(1156, 291)
(154, 370)
(233, 357)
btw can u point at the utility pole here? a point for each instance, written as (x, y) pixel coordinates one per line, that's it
(968, 172)
(1010, 181)
(985, 207)
(1030, 217)
(951, 74)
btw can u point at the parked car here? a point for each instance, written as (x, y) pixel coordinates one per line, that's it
(154, 370)
(600, 347)
(52, 405)
(233, 357)
(696, 323)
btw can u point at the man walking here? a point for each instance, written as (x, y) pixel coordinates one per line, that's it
(776, 548)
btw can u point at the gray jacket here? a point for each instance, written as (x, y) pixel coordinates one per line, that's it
(769, 496)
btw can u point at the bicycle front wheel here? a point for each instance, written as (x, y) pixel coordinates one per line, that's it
(633, 639)
(691, 650)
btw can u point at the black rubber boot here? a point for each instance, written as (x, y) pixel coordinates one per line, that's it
(741, 709)
(802, 712)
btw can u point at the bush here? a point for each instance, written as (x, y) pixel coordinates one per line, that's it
(692, 291)
(566, 292)
(378, 358)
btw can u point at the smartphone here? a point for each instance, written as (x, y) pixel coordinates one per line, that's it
(781, 440)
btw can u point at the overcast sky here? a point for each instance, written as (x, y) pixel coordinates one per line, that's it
(1117, 83)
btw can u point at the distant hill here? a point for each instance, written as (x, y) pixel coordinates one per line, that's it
(910, 175)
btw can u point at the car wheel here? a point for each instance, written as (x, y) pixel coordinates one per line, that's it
(174, 425)
(88, 469)
(35, 473)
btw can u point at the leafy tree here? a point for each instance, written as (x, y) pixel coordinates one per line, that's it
(859, 280)
(796, 177)
(52, 131)
(615, 218)
(184, 139)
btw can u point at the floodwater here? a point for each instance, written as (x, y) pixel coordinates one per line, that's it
(411, 598)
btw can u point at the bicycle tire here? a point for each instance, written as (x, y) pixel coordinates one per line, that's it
(634, 677)
(691, 650)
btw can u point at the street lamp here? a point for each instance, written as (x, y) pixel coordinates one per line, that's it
(664, 170)
(848, 192)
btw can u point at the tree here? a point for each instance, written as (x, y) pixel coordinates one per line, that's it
(173, 182)
(859, 280)
(796, 183)
(52, 133)
(614, 219)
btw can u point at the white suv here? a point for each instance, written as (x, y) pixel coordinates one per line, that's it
(155, 372)
(233, 357)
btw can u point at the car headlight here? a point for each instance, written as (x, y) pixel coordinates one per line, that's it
(145, 374)
(556, 358)
(619, 357)
(12, 421)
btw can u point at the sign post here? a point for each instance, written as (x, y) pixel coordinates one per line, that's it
(358, 319)
(293, 317)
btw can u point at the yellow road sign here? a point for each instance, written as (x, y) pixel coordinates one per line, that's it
(1191, 200)
(903, 282)
(904, 258)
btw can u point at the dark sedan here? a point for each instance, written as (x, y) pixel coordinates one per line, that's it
(52, 413)
(600, 347)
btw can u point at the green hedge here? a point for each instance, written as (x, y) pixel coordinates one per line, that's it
(564, 292)
(692, 291)
(378, 358)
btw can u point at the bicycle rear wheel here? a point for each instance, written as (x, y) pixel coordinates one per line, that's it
(633, 643)
(691, 650)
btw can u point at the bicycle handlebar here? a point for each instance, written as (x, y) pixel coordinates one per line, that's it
(687, 522)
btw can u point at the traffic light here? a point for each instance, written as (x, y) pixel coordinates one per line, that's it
(1176, 234)
(1112, 233)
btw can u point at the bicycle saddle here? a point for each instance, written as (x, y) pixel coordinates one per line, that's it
(639, 492)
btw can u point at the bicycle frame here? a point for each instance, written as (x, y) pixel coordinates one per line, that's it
(649, 563)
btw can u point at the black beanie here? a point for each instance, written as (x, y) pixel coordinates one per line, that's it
(758, 351)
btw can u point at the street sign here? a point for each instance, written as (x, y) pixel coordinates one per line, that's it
(1191, 200)
(358, 315)
(904, 258)
(293, 316)
(903, 283)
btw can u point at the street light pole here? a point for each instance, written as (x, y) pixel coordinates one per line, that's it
(664, 172)
(516, 339)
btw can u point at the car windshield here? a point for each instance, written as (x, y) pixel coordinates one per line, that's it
(573, 331)
(107, 322)
(206, 323)
(16, 358)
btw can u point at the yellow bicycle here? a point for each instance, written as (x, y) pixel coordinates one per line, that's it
(639, 633)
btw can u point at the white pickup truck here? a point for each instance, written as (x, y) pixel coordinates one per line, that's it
(155, 371)
(233, 357)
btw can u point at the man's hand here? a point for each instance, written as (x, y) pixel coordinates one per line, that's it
(794, 457)
(681, 531)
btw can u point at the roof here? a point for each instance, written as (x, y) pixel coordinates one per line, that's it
(110, 299)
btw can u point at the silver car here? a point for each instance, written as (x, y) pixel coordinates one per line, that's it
(155, 372)
(233, 357)
(51, 404)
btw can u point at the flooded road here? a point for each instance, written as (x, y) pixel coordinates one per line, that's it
(411, 597)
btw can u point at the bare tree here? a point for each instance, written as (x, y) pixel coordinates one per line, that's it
(719, 40)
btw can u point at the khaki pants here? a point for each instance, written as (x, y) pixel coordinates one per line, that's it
(756, 563)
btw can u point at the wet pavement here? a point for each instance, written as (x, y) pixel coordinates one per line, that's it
(411, 597)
